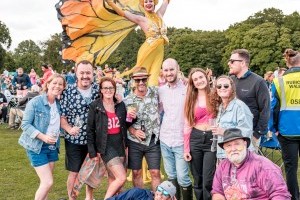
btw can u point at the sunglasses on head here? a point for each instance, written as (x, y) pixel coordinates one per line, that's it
(226, 86)
(144, 80)
(163, 191)
(233, 60)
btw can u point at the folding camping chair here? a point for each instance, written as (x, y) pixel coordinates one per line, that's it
(270, 148)
(13, 103)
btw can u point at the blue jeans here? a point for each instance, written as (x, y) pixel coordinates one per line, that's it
(175, 165)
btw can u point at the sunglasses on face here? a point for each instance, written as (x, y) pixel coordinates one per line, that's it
(225, 86)
(144, 80)
(163, 191)
(108, 88)
(234, 60)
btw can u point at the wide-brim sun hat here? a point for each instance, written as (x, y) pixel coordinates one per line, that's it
(140, 72)
(233, 134)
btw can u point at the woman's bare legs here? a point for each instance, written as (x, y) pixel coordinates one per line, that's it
(117, 181)
(45, 173)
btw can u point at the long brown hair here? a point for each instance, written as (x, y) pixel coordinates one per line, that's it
(192, 95)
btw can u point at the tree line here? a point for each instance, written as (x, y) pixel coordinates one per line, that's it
(266, 34)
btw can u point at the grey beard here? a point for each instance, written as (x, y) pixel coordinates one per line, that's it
(238, 160)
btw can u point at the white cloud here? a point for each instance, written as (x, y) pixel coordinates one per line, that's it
(37, 19)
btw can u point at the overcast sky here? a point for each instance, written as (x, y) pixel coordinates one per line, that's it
(36, 19)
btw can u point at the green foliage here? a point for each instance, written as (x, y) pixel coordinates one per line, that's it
(272, 15)
(5, 38)
(125, 55)
(9, 61)
(51, 52)
(198, 49)
(266, 34)
(19, 180)
(28, 55)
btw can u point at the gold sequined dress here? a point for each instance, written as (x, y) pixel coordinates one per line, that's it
(92, 31)
(151, 53)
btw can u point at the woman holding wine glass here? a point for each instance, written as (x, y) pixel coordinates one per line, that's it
(199, 111)
(107, 133)
(232, 113)
(40, 136)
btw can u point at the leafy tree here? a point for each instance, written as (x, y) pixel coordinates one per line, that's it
(292, 21)
(126, 54)
(272, 15)
(265, 34)
(28, 55)
(52, 52)
(199, 49)
(9, 61)
(5, 38)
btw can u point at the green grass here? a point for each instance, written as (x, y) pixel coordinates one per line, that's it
(18, 180)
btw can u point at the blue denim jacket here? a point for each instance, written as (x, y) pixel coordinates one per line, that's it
(236, 115)
(36, 120)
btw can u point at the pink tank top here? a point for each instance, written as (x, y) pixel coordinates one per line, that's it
(202, 115)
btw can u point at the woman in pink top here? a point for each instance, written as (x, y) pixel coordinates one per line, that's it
(32, 76)
(198, 110)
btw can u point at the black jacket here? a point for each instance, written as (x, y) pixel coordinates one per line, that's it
(97, 126)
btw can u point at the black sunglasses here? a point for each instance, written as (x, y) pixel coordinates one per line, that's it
(144, 80)
(233, 60)
(226, 86)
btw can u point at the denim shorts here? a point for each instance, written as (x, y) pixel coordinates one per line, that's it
(44, 157)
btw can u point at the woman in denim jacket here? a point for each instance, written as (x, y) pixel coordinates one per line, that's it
(41, 125)
(233, 113)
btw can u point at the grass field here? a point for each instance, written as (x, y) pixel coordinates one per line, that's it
(18, 180)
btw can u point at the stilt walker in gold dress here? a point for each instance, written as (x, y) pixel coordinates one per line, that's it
(93, 29)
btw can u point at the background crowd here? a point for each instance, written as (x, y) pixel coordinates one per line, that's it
(188, 122)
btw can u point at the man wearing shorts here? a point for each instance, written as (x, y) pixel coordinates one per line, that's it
(75, 103)
(143, 134)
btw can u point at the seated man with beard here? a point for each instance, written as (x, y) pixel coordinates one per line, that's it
(246, 175)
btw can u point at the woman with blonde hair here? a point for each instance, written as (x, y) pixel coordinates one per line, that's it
(269, 76)
(199, 110)
(41, 129)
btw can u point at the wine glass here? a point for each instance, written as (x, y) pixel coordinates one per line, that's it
(213, 124)
(78, 122)
(55, 135)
